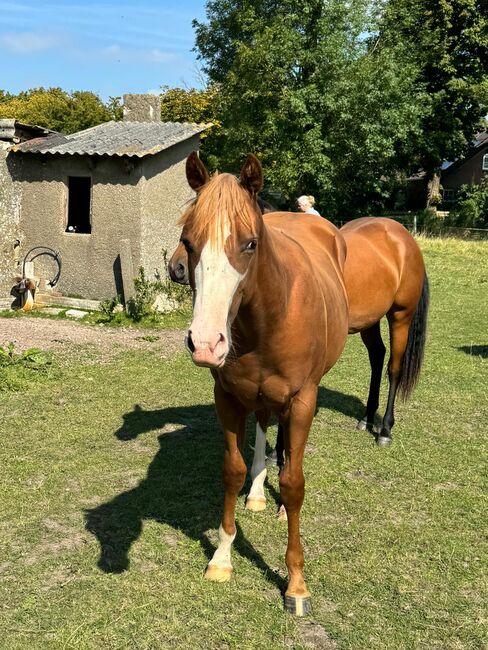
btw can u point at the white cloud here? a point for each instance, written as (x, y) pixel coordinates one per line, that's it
(29, 42)
(126, 55)
(157, 56)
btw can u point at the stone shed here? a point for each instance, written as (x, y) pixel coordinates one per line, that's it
(105, 193)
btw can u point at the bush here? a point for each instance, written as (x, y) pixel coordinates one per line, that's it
(146, 291)
(471, 210)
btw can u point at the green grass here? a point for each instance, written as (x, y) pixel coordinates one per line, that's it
(172, 320)
(111, 497)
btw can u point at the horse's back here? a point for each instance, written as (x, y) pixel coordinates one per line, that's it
(314, 234)
(384, 269)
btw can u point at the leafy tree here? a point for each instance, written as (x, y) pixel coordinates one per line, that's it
(337, 97)
(56, 109)
(304, 87)
(447, 42)
(189, 105)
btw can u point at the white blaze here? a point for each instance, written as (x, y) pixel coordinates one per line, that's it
(216, 281)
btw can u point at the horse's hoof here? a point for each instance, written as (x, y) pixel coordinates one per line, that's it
(255, 504)
(218, 573)
(383, 441)
(298, 605)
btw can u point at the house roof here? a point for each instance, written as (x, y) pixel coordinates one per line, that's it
(12, 130)
(480, 141)
(115, 139)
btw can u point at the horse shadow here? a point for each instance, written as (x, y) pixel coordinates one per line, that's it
(183, 487)
(475, 350)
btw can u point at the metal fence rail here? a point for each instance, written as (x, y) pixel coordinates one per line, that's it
(411, 223)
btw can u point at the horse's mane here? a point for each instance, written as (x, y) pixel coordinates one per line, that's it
(221, 201)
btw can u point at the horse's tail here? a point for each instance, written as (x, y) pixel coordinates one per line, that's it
(414, 353)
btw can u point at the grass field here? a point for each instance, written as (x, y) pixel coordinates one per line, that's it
(111, 497)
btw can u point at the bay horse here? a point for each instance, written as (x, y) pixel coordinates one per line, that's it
(270, 318)
(384, 275)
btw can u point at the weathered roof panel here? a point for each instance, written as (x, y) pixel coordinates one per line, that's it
(116, 139)
(14, 131)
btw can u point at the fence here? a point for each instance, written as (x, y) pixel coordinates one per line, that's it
(414, 224)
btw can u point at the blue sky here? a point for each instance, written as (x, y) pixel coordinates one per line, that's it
(109, 47)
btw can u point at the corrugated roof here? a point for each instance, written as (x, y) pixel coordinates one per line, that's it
(116, 139)
(14, 131)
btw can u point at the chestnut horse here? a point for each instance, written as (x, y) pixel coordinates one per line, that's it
(384, 275)
(270, 318)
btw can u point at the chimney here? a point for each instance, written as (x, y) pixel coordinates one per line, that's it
(142, 108)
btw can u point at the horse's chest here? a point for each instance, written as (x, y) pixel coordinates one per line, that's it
(257, 389)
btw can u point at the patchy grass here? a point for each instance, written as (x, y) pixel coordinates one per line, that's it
(174, 320)
(111, 497)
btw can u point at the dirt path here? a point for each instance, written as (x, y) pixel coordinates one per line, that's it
(58, 335)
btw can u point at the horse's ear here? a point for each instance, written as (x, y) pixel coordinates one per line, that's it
(196, 174)
(252, 174)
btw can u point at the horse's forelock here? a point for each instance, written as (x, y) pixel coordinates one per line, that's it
(220, 204)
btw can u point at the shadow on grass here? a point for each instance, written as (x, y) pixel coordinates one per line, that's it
(475, 350)
(183, 486)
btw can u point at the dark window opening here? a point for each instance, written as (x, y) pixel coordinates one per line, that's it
(79, 204)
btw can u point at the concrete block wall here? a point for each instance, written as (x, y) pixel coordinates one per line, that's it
(11, 234)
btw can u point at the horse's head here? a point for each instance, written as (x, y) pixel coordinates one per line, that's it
(178, 264)
(220, 237)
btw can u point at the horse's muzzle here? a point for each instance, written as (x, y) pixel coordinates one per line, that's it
(206, 354)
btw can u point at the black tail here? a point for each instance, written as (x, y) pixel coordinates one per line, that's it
(414, 354)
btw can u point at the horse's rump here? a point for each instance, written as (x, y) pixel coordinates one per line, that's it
(384, 269)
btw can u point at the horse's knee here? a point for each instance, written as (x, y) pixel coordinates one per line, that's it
(234, 472)
(292, 488)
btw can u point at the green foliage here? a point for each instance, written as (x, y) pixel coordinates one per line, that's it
(447, 42)
(59, 110)
(471, 209)
(107, 307)
(18, 370)
(189, 105)
(338, 97)
(32, 358)
(302, 88)
(140, 304)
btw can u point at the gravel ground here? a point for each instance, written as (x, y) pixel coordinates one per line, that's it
(58, 335)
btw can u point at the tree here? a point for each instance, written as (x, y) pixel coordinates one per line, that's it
(303, 86)
(189, 104)
(58, 110)
(447, 42)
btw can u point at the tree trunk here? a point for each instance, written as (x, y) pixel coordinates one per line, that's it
(433, 190)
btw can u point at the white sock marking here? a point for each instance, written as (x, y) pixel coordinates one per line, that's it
(221, 557)
(258, 469)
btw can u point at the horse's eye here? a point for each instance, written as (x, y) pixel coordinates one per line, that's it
(187, 245)
(250, 247)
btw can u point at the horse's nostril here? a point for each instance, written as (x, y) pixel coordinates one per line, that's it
(190, 344)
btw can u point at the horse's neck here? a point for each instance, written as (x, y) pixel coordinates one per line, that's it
(268, 288)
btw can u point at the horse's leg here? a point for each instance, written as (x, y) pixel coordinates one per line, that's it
(292, 489)
(399, 322)
(232, 419)
(256, 500)
(371, 338)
